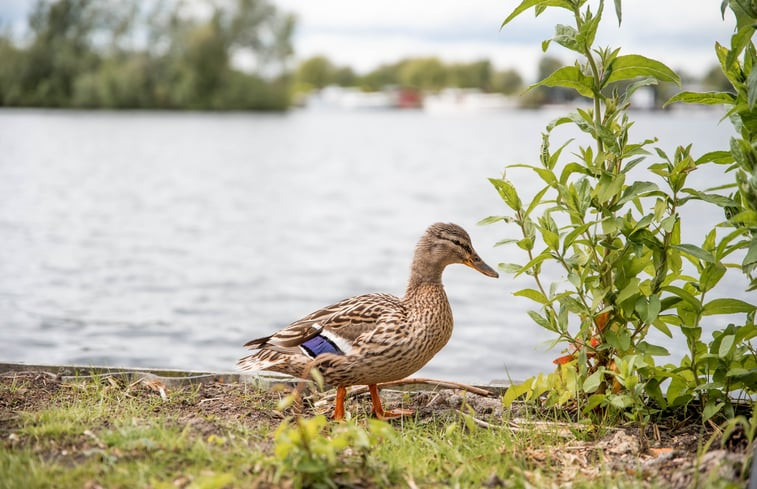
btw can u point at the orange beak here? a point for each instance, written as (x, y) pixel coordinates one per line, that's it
(476, 263)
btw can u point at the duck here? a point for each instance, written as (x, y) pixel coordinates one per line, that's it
(374, 338)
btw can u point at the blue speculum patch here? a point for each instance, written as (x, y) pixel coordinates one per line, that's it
(318, 345)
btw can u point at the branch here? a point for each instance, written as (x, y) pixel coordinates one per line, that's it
(444, 384)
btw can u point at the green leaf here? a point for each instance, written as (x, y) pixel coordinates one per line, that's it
(711, 275)
(711, 409)
(751, 85)
(654, 350)
(623, 401)
(551, 239)
(726, 344)
(634, 65)
(593, 401)
(571, 236)
(547, 175)
(509, 267)
(704, 98)
(751, 256)
(526, 243)
(527, 4)
(535, 201)
(608, 187)
(660, 325)
(588, 32)
(541, 320)
(637, 85)
(505, 241)
(726, 306)
(620, 339)
(532, 294)
(686, 296)
(739, 41)
(618, 12)
(629, 290)
(679, 392)
(572, 168)
(696, 252)
(569, 77)
(648, 308)
(717, 157)
(558, 122)
(515, 391)
(553, 159)
(593, 381)
(716, 199)
(491, 219)
(565, 36)
(635, 190)
(533, 263)
(655, 393)
(743, 153)
(747, 217)
(508, 193)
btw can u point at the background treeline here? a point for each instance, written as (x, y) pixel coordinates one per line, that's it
(425, 74)
(214, 55)
(134, 54)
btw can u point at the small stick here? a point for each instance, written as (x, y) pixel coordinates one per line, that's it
(445, 384)
(480, 422)
(210, 399)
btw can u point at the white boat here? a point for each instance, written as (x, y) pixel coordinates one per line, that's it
(454, 100)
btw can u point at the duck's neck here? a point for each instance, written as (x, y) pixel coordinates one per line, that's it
(424, 271)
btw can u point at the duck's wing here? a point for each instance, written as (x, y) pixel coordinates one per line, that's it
(341, 323)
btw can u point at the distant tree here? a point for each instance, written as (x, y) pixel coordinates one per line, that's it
(87, 53)
(428, 74)
(477, 74)
(507, 82)
(61, 49)
(383, 76)
(344, 76)
(316, 72)
(715, 80)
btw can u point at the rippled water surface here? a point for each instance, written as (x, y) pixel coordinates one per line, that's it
(169, 239)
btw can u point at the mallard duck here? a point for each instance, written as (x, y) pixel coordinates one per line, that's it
(374, 338)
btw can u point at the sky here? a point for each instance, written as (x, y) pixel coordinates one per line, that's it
(365, 34)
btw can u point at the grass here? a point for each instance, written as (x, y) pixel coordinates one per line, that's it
(106, 434)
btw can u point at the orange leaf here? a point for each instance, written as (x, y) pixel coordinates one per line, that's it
(563, 359)
(601, 320)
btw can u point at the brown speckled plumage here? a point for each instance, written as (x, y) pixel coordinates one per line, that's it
(376, 337)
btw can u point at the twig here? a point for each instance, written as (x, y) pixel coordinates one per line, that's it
(444, 384)
(480, 422)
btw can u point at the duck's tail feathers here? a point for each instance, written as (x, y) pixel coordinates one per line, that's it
(257, 343)
(261, 360)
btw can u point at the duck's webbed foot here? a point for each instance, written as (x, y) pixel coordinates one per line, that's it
(378, 409)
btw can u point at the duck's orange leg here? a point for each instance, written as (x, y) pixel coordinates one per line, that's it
(341, 394)
(378, 410)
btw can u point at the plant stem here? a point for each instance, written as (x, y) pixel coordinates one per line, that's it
(597, 80)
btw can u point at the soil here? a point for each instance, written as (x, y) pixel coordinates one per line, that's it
(663, 453)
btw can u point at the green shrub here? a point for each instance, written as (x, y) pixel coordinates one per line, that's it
(617, 242)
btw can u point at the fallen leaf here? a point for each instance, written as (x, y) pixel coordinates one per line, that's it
(660, 451)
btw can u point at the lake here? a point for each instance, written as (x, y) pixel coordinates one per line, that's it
(153, 239)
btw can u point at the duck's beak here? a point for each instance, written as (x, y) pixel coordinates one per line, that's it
(476, 263)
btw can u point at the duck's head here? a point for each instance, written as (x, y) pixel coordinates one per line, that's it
(446, 243)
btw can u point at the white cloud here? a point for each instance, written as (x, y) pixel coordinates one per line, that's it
(364, 35)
